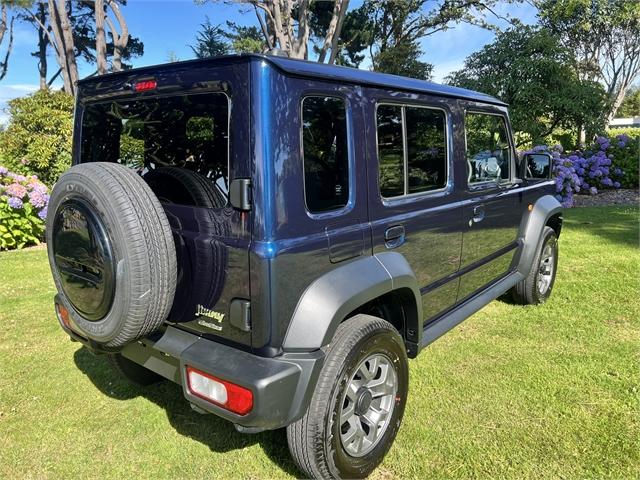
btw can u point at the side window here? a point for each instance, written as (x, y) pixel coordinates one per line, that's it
(488, 149)
(390, 150)
(412, 152)
(426, 149)
(326, 155)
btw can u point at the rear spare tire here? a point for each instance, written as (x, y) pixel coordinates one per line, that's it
(111, 253)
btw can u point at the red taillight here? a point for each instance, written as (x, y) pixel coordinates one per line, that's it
(145, 85)
(227, 395)
(63, 314)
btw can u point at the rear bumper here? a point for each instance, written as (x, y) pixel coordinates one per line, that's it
(281, 386)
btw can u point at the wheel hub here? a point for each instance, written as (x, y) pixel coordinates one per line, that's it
(367, 405)
(363, 403)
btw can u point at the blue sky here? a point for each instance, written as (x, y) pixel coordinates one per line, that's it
(170, 26)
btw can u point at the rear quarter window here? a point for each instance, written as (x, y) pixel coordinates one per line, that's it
(325, 153)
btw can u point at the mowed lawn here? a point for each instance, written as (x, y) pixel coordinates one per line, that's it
(514, 392)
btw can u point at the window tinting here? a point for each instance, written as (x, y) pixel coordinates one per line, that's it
(488, 149)
(423, 166)
(390, 150)
(326, 156)
(426, 149)
(190, 132)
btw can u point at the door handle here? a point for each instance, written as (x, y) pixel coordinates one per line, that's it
(478, 213)
(394, 236)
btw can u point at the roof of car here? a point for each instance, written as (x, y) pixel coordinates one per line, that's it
(335, 73)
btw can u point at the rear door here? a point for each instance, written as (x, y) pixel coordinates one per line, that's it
(183, 131)
(491, 200)
(414, 208)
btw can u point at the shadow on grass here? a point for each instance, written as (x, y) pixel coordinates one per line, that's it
(217, 434)
(614, 224)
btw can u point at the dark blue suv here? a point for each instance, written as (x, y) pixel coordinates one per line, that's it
(279, 236)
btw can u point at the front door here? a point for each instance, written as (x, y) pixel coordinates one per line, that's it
(413, 205)
(491, 210)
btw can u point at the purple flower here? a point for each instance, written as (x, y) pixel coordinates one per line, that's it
(38, 199)
(622, 144)
(3, 171)
(604, 146)
(16, 190)
(43, 213)
(593, 190)
(616, 184)
(16, 177)
(15, 202)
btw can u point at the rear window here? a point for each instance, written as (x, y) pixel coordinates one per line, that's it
(190, 132)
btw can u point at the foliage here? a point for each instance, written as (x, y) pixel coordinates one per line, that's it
(37, 139)
(526, 68)
(626, 157)
(603, 38)
(631, 105)
(211, 41)
(245, 39)
(590, 171)
(83, 20)
(23, 209)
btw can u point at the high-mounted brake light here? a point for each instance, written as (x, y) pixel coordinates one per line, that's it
(225, 394)
(145, 85)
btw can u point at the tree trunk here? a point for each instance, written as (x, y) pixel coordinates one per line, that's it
(120, 40)
(64, 45)
(43, 41)
(4, 65)
(101, 42)
(615, 104)
(333, 32)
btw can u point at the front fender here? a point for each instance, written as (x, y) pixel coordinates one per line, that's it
(330, 298)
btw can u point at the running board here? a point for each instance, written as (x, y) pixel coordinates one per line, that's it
(448, 321)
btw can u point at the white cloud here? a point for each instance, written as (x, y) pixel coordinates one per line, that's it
(7, 92)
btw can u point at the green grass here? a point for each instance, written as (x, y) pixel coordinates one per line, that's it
(514, 392)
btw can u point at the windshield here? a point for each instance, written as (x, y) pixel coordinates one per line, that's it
(190, 132)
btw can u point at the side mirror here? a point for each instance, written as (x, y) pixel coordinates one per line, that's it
(536, 166)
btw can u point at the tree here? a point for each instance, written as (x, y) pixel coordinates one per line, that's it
(526, 67)
(245, 39)
(389, 33)
(211, 41)
(4, 26)
(285, 25)
(37, 139)
(603, 34)
(630, 107)
(95, 40)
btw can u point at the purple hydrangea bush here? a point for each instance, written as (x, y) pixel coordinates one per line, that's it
(585, 172)
(23, 209)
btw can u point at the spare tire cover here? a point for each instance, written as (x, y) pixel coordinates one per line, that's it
(111, 253)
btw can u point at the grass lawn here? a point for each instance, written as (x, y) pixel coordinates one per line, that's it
(514, 392)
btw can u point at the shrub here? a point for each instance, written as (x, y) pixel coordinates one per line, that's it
(23, 209)
(589, 171)
(37, 139)
(625, 148)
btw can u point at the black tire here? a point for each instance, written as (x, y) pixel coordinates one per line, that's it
(527, 291)
(315, 440)
(110, 245)
(136, 374)
(178, 185)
